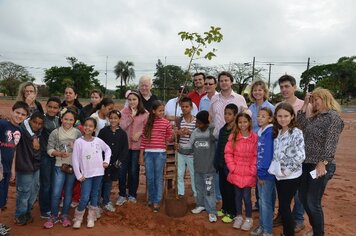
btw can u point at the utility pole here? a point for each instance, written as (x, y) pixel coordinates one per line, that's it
(269, 74)
(253, 69)
(164, 80)
(106, 74)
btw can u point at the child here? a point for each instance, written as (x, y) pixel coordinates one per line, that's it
(89, 167)
(240, 158)
(60, 146)
(202, 144)
(134, 118)
(266, 181)
(116, 139)
(157, 131)
(95, 98)
(9, 138)
(185, 124)
(228, 209)
(27, 168)
(100, 115)
(287, 161)
(51, 122)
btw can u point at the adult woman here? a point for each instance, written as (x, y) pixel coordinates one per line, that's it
(95, 98)
(71, 98)
(28, 93)
(321, 132)
(134, 118)
(145, 86)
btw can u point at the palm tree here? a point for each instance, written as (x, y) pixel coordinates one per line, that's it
(125, 71)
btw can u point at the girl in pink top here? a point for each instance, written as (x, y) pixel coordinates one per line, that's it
(240, 158)
(88, 165)
(133, 120)
(156, 133)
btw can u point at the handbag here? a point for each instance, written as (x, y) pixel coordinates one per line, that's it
(66, 168)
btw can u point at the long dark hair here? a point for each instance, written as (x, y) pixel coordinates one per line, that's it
(105, 102)
(140, 108)
(76, 102)
(293, 123)
(151, 118)
(237, 130)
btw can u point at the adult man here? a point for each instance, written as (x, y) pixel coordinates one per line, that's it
(220, 100)
(288, 87)
(145, 86)
(210, 88)
(172, 110)
(199, 92)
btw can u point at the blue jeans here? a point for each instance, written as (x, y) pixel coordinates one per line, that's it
(89, 190)
(266, 194)
(105, 191)
(122, 179)
(4, 189)
(61, 181)
(46, 178)
(245, 195)
(27, 185)
(134, 172)
(154, 164)
(182, 160)
(205, 186)
(311, 192)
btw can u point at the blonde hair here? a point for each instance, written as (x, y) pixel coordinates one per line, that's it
(264, 87)
(327, 98)
(22, 88)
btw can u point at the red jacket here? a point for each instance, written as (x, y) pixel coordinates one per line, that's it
(241, 160)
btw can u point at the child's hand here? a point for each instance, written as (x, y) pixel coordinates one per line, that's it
(81, 179)
(136, 136)
(105, 165)
(64, 154)
(36, 144)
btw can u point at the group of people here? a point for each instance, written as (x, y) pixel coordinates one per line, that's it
(76, 152)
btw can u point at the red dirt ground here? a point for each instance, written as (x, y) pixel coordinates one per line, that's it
(137, 219)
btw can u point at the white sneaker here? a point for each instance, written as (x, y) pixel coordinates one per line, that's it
(212, 218)
(238, 222)
(198, 209)
(247, 225)
(120, 201)
(132, 199)
(109, 207)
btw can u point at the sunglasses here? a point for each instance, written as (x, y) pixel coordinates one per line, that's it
(211, 84)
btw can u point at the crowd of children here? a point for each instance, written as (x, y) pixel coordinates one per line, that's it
(265, 150)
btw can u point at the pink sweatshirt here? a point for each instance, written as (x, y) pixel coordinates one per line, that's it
(87, 157)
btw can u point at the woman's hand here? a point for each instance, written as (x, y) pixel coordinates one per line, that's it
(81, 179)
(320, 169)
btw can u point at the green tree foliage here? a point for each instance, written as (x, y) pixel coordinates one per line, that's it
(339, 77)
(126, 72)
(168, 77)
(11, 76)
(78, 74)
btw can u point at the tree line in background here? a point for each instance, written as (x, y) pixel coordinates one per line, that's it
(339, 77)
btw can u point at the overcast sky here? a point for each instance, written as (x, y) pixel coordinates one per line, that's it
(39, 34)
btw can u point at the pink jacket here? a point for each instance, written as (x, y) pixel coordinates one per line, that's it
(241, 160)
(132, 126)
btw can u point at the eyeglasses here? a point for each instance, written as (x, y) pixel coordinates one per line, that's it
(209, 84)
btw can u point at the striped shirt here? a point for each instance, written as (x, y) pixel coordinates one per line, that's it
(160, 134)
(183, 139)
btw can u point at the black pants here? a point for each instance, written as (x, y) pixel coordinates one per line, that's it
(227, 192)
(286, 190)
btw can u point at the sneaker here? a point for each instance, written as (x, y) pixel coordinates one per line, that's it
(257, 231)
(120, 201)
(277, 221)
(238, 222)
(21, 220)
(46, 215)
(5, 227)
(50, 222)
(74, 204)
(247, 225)
(4, 232)
(132, 199)
(66, 221)
(198, 209)
(299, 227)
(267, 234)
(155, 208)
(212, 218)
(98, 213)
(227, 219)
(220, 213)
(29, 218)
(109, 207)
